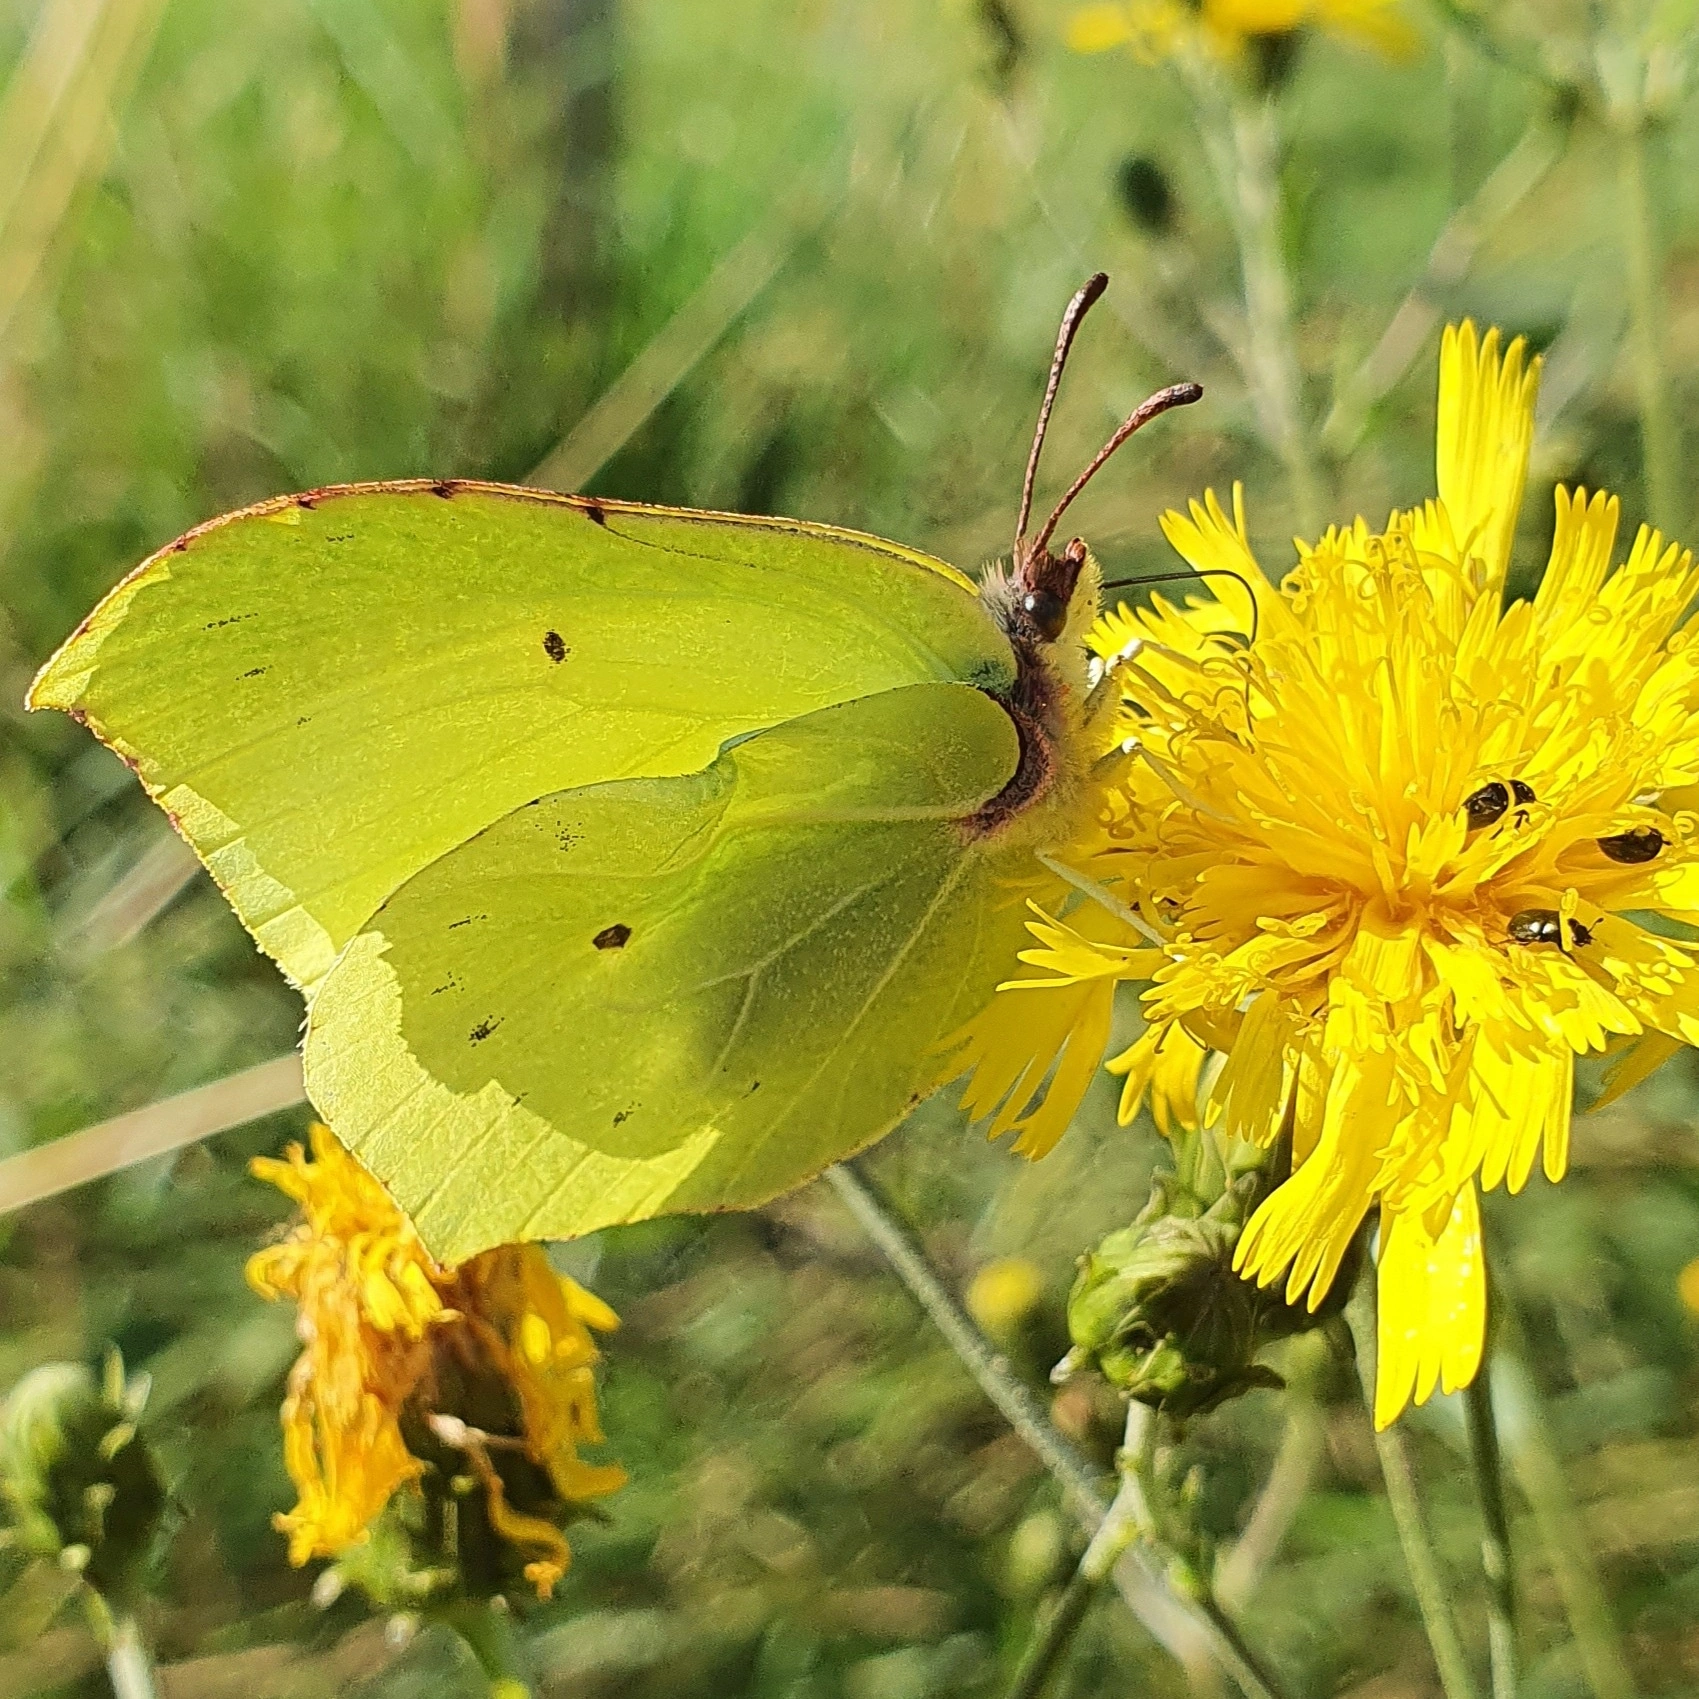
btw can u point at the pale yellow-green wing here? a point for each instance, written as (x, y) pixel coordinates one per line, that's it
(327, 692)
(685, 993)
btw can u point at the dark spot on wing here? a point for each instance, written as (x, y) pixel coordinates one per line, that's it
(613, 937)
(565, 838)
(341, 537)
(753, 1089)
(302, 721)
(624, 1115)
(254, 672)
(593, 512)
(449, 984)
(554, 646)
(232, 619)
(467, 921)
(484, 1028)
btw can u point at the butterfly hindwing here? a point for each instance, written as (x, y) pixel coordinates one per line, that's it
(678, 993)
(328, 692)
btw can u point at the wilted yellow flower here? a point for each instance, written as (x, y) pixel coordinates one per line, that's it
(1159, 29)
(1388, 856)
(395, 1346)
(1004, 1293)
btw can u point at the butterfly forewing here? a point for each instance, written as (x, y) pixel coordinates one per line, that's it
(329, 692)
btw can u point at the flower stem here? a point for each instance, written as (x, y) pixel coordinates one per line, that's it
(1120, 1526)
(489, 1636)
(1539, 1473)
(1188, 1627)
(1242, 134)
(129, 1664)
(1047, 1646)
(1078, 1480)
(1660, 444)
(1420, 1557)
(1495, 1533)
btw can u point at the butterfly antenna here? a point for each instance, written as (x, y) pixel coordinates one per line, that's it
(1084, 297)
(1209, 572)
(1176, 395)
(1188, 572)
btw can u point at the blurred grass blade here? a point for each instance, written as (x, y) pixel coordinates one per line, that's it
(687, 337)
(164, 1126)
(1541, 1473)
(57, 124)
(1303, 1446)
(1511, 181)
(381, 68)
(143, 890)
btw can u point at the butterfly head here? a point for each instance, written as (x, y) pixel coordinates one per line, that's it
(1047, 598)
(1045, 602)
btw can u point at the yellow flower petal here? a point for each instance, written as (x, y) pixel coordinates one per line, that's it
(1433, 1306)
(1486, 429)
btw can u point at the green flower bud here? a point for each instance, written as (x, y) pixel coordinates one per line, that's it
(1160, 1312)
(80, 1482)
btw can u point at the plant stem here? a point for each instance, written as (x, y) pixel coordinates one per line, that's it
(1235, 1652)
(1188, 1627)
(1242, 133)
(129, 1664)
(1420, 1558)
(1153, 1514)
(988, 1366)
(1120, 1526)
(489, 1636)
(1660, 444)
(1539, 1472)
(1495, 1532)
(1045, 1650)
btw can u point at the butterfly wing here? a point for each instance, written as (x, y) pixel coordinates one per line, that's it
(683, 993)
(328, 692)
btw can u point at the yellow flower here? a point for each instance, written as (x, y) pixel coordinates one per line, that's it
(1688, 1286)
(1392, 852)
(1153, 30)
(395, 1345)
(1004, 1293)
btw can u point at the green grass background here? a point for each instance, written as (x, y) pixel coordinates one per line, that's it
(289, 243)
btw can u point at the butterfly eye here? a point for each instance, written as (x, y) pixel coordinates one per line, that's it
(1047, 611)
(1643, 843)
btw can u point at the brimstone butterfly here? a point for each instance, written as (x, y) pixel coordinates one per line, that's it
(631, 859)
